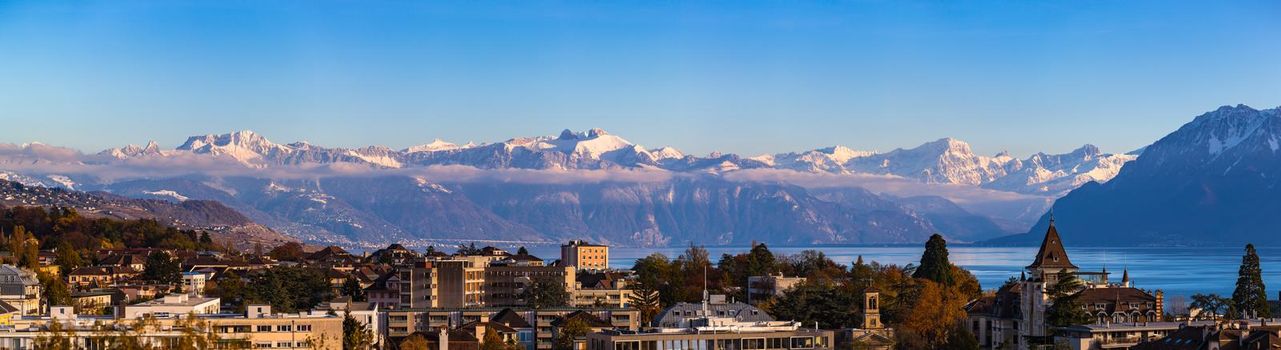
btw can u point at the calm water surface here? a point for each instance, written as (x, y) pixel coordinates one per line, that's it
(1177, 271)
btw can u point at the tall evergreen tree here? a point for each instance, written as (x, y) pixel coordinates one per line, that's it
(1250, 299)
(934, 263)
(355, 335)
(1067, 309)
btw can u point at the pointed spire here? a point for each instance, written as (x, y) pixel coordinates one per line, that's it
(1052, 254)
(1125, 277)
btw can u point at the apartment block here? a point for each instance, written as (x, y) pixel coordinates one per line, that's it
(584, 256)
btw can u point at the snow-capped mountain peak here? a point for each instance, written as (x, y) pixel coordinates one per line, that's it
(667, 152)
(842, 154)
(437, 145)
(131, 151)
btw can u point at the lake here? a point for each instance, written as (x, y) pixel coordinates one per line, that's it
(1177, 271)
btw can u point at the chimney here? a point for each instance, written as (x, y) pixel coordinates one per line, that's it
(257, 310)
(480, 332)
(444, 339)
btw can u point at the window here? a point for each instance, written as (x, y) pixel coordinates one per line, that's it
(802, 343)
(304, 328)
(264, 328)
(283, 328)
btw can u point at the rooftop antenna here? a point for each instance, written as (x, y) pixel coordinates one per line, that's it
(1051, 215)
(706, 297)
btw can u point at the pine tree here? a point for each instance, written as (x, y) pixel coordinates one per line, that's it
(645, 298)
(934, 263)
(355, 335)
(351, 287)
(1067, 309)
(1250, 299)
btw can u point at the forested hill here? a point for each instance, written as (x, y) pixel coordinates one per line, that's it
(224, 224)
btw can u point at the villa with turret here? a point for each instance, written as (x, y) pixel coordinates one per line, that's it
(1014, 317)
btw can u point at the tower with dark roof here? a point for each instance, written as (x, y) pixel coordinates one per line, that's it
(1052, 258)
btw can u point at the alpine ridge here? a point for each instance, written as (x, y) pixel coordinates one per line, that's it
(577, 184)
(1214, 181)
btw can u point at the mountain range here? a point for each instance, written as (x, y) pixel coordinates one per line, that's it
(945, 161)
(590, 184)
(1214, 181)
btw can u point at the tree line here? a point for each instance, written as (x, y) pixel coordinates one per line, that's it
(923, 302)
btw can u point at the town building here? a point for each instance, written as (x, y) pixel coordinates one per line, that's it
(20, 289)
(173, 304)
(256, 329)
(100, 276)
(1219, 335)
(681, 314)
(94, 302)
(1015, 315)
(504, 285)
(760, 288)
(194, 282)
(539, 323)
(737, 327)
(603, 288)
(584, 256)
(448, 283)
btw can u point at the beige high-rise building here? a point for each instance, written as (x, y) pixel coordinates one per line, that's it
(505, 284)
(443, 283)
(584, 256)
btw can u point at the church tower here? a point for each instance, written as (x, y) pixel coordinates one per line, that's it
(872, 309)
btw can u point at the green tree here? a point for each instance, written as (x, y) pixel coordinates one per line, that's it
(493, 341)
(351, 288)
(414, 342)
(67, 257)
(55, 338)
(291, 251)
(162, 268)
(934, 263)
(522, 251)
(962, 339)
(646, 300)
(289, 289)
(692, 269)
(1066, 309)
(56, 291)
(205, 240)
(196, 334)
(830, 306)
(356, 336)
(1212, 306)
(1250, 299)
(545, 293)
(568, 333)
(230, 288)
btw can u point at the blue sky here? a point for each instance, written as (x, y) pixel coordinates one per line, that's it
(735, 76)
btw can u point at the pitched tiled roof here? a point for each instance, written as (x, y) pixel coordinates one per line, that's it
(1114, 294)
(591, 320)
(7, 308)
(1052, 255)
(511, 319)
(328, 252)
(1186, 338)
